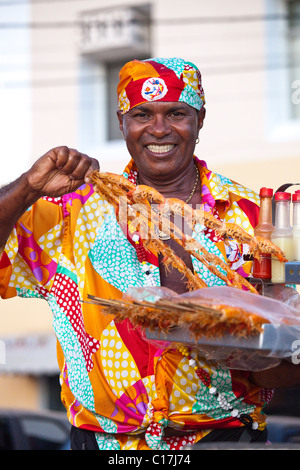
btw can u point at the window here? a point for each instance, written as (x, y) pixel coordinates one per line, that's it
(283, 70)
(110, 38)
(294, 54)
(112, 78)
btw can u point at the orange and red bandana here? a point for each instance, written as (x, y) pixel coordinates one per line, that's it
(159, 79)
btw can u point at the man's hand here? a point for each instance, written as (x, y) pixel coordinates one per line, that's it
(285, 375)
(60, 171)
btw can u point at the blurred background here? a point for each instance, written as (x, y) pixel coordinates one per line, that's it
(59, 64)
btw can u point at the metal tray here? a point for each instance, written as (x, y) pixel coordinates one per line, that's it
(274, 341)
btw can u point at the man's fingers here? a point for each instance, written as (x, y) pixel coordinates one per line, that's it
(61, 155)
(68, 160)
(60, 171)
(74, 164)
(93, 166)
(78, 170)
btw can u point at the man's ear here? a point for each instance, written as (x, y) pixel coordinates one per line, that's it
(120, 118)
(201, 117)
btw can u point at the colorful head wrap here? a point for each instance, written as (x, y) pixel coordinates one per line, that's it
(159, 79)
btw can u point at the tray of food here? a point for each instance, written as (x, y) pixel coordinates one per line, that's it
(274, 340)
(232, 327)
(262, 351)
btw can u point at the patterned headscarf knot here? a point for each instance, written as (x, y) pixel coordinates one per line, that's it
(159, 79)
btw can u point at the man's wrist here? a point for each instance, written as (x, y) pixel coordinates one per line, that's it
(30, 194)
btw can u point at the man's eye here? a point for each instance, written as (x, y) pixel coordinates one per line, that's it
(177, 114)
(142, 115)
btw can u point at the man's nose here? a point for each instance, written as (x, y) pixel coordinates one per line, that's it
(159, 126)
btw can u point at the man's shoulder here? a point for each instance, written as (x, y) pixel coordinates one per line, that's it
(236, 189)
(236, 203)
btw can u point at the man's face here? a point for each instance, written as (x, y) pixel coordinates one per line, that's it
(161, 137)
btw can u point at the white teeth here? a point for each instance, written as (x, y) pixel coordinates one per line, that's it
(160, 148)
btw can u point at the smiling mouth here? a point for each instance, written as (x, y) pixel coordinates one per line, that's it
(160, 148)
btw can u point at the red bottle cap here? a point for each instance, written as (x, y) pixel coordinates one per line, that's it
(266, 192)
(283, 196)
(296, 196)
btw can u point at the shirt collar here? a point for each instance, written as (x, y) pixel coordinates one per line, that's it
(214, 191)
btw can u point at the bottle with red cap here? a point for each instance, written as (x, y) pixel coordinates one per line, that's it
(282, 235)
(296, 224)
(262, 266)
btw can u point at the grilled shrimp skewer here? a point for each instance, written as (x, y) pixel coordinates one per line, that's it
(138, 201)
(146, 195)
(209, 320)
(140, 213)
(257, 245)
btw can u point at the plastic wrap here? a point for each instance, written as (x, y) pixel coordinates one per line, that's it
(278, 339)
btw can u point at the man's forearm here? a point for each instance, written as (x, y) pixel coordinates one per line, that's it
(15, 198)
(286, 374)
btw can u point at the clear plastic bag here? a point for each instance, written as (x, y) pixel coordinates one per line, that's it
(263, 351)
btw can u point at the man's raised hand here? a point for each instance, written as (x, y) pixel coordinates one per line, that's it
(60, 171)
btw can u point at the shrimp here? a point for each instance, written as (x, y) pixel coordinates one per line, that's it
(145, 194)
(176, 206)
(206, 218)
(231, 278)
(261, 245)
(226, 230)
(116, 181)
(107, 192)
(179, 207)
(230, 230)
(170, 258)
(201, 320)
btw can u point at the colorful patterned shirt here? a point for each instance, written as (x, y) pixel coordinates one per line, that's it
(113, 381)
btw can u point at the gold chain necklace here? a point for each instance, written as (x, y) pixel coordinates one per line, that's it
(195, 185)
(162, 235)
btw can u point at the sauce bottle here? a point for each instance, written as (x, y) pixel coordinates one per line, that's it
(296, 225)
(282, 235)
(262, 266)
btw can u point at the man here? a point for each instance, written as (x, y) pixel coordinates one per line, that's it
(61, 241)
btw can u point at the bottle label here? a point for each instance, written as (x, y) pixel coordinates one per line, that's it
(262, 267)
